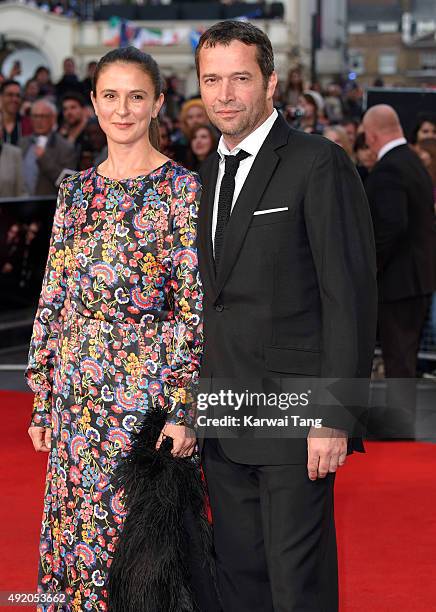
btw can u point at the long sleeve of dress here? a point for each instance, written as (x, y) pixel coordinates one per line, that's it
(47, 324)
(184, 357)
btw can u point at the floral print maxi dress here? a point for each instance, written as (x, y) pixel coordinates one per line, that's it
(123, 254)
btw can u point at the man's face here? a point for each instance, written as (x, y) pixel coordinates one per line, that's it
(69, 67)
(73, 112)
(11, 99)
(233, 90)
(43, 119)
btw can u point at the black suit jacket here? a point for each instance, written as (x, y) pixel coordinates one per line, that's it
(400, 195)
(295, 292)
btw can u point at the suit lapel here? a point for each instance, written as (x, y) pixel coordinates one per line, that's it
(207, 265)
(257, 180)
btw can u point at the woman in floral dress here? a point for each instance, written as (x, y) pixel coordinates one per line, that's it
(118, 327)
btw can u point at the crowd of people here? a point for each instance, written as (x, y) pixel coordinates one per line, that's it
(54, 126)
(48, 130)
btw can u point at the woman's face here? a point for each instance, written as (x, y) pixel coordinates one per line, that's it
(125, 103)
(427, 130)
(202, 143)
(307, 107)
(32, 89)
(366, 158)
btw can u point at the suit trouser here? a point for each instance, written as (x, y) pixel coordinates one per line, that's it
(400, 327)
(274, 536)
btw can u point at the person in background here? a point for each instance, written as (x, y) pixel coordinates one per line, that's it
(31, 94)
(337, 134)
(400, 195)
(75, 115)
(425, 127)
(353, 101)
(45, 153)
(351, 127)
(192, 114)
(14, 125)
(11, 173)
(306, 116)
(294, 87)
(365, 158)
(95, 141)
(333, 103)
(46, 87)
(69, 81)
(426, 150)
(165, 144)
(173, 98)
(203, 141)
(87, 81)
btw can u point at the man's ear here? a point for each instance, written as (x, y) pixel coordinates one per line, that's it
(272, 84)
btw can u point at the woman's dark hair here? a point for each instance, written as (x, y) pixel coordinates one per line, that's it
(192, 162)
(420, 120)
(131, 55)
(360, 142)
(210, 129)
(429, 145)
(225, 32)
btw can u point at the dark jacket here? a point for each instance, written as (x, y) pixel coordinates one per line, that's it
(400, 195)
(295, 291)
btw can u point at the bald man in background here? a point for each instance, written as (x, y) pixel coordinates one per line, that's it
(400, 195)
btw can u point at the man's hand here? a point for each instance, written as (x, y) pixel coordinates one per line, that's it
(41, 438)
(183, 439)
(326, 450)
(39, 151)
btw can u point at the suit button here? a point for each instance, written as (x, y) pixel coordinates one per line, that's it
(219, 307)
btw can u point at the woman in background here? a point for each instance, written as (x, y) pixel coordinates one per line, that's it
(337, 134)
(204, 140)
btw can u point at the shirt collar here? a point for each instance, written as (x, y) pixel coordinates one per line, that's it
(393, 144)
(253, 142)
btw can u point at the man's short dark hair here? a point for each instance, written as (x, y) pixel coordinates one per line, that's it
(76, 96)
(225, 32)
(8, 83)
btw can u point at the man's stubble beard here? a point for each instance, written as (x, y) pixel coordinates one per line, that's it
(245, 127)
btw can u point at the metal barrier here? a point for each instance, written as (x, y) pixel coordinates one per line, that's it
(25, 229)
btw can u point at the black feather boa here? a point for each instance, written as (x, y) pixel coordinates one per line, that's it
(166, 536)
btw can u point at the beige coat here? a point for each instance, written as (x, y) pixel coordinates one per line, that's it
(11, 175)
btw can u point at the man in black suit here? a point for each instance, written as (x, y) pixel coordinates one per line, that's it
(400, 195)
(287, 260)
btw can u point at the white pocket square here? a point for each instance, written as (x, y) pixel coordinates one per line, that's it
(270, 210)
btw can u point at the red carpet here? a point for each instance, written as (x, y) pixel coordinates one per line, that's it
(385, 510)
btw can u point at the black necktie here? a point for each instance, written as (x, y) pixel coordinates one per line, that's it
(227, 189)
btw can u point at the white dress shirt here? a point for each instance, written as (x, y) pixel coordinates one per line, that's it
(393, 144)
(251, 144)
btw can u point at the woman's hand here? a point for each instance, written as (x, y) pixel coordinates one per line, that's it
(183, 439)
(41, 438)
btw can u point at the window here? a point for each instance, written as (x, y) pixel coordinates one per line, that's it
(387, 63)
(428, 61)
(357, 62)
